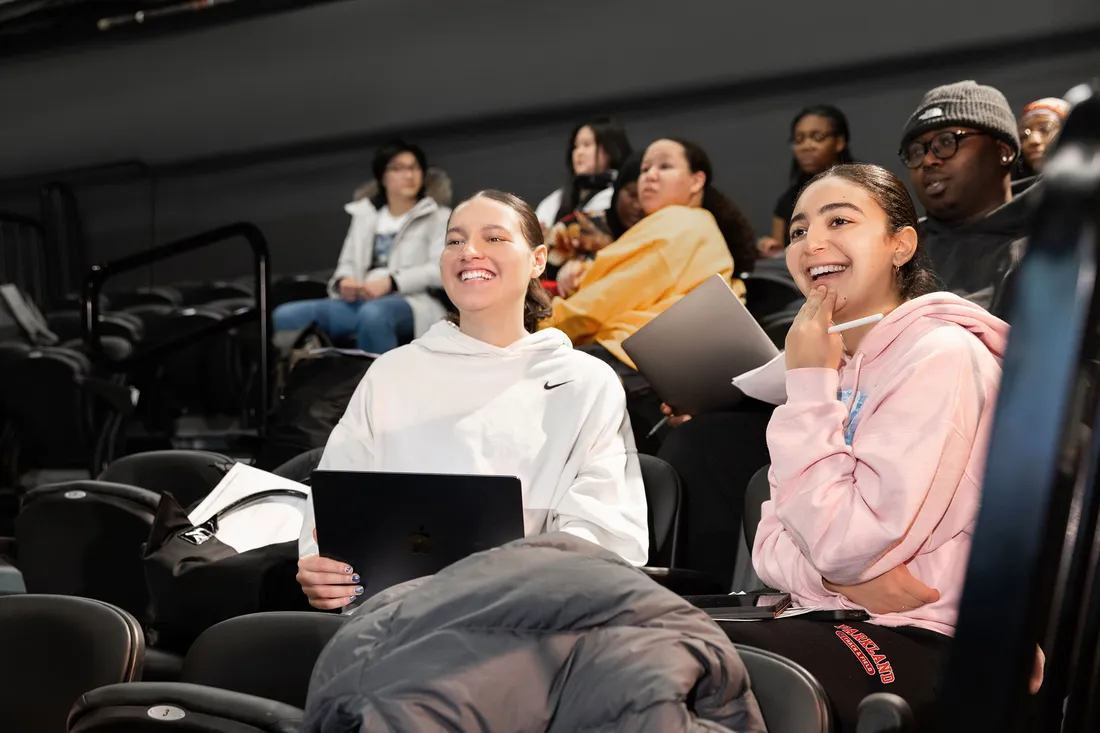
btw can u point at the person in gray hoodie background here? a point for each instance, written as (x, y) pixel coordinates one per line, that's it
(386, 289)
(960, 146)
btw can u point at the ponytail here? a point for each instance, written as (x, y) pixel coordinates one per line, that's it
(536, 306)
(734, 226)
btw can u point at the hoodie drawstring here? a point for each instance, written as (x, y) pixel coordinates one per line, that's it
(857, 362)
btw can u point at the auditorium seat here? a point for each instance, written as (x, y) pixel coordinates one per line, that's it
(268, 655)
(297, 287)
(156, 707)
(300, 468)
(769, 293)
(663, 496)
(791, 699)
(55, 649)
(189, 475)
(85, 538)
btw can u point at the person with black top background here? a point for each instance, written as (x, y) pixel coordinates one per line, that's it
(819, 140)
(960, 146)
(597, 149)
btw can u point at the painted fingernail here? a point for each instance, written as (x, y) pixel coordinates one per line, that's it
(355, 578)
(347, 568)
(358, 590)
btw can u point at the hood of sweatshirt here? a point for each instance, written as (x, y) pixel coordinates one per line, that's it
(768, 383)
(437, 187)
(446, 338)
(931, 309)
(1010, 220)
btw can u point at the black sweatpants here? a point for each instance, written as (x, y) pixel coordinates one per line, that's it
(853, 660)
(716, 454)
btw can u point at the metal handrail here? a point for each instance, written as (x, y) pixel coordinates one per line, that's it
(98, 275)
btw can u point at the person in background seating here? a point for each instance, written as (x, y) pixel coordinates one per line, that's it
(960, 146)
(687, 236)
(597, 149)
(493, 395)
(1039, 124)
(624, 212)
(382, 289)
(819, 140)
(878, 453)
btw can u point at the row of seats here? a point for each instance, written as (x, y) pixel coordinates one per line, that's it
(51, 373)
(75, 664)
(85, 537)
(104, 524)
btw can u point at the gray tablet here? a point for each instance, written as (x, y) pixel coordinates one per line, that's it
(690, 353)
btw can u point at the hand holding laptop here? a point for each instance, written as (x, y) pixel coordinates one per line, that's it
(327, 583)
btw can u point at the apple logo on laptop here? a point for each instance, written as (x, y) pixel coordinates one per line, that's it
(420, 542)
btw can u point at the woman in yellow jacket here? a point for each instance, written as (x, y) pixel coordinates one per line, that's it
(691, 231)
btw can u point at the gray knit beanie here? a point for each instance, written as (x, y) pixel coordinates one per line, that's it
(965, 104)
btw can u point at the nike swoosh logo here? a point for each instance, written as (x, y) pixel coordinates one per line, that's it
(555, 386)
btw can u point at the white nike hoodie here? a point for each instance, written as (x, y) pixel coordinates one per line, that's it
(554, 417)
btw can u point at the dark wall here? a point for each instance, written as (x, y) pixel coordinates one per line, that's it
(491, 87)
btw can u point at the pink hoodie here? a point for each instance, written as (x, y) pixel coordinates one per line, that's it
(881, 463)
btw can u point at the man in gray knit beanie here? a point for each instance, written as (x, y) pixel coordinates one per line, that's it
(960, 145)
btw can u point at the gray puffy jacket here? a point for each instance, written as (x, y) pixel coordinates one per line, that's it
(549, 633)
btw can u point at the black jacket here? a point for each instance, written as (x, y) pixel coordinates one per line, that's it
(978, 260)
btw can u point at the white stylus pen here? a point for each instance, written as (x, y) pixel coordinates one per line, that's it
(856, 323)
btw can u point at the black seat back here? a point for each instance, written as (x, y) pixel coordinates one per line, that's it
(56, 648)
(791, 699)
(300, 468)
(757, 492)
(189, 475)
(52, 415)
(778, 325)
(268, 655)
(84, 538)
(662, 493)
(297, 287)
(767, 294)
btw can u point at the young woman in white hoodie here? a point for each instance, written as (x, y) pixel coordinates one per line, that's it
(491, 394)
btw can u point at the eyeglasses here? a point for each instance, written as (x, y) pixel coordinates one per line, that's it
(1044, 129)
(943, 146)
(414, 168)
(817, 136)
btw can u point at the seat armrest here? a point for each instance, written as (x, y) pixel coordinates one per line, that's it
(685, 582)
(134, 701)
(884, 712)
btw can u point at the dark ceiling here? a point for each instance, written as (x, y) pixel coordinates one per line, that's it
(34, 26)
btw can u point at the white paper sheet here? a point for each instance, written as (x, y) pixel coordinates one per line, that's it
(278, 519)
(766, 383)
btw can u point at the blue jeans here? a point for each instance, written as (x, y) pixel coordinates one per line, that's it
(379, 325)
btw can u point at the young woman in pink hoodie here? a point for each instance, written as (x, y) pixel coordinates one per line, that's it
(878, 453)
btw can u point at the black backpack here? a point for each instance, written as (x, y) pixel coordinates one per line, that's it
(195, 580)
(317, 392)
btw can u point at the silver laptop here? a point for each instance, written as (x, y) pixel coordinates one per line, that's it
(691, 352)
